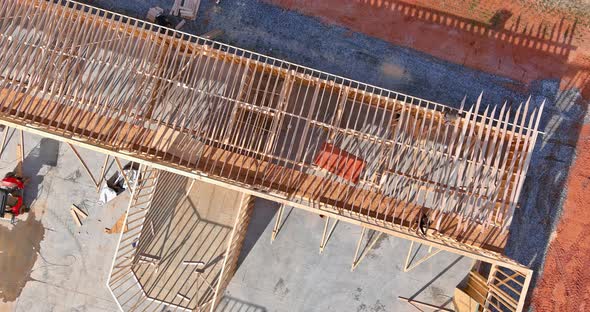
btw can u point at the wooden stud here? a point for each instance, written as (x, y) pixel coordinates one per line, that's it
(357, 259)
(118, 162)
(75, 217)
(81, 214)
(424, 304)
(83, 164)
(4, 136)
(278, 223)
(22, 147)
(102, 172)
(408, 266)
(327, 234)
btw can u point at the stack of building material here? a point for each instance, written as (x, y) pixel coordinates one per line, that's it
(186, 8)
(175, 8)
(179, 25)
(153, 13)
(212, 34)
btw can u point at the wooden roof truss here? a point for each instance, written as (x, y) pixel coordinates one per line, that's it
(128, 87)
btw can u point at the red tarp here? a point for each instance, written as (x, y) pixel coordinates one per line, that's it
(340, 163)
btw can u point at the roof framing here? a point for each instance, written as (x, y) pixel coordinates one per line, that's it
(247, 121)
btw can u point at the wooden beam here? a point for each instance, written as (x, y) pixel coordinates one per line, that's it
(122, 172)
(327, 234)
(83, 163)
(102, 172)
(424, 304)
(4, 136)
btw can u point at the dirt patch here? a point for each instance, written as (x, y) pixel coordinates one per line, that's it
(519, 40)
(19, 247)
(565, 282)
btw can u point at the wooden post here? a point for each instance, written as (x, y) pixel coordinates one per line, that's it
(408, 267)
(22, 146)
(327, 234)
(357, 259)
(122, 173)
(83, 164)
(358, 247)
(4, 136)
(102, 172)
(277, 226)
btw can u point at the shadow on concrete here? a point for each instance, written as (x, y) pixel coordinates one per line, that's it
(441, 273)
(229, 304)
(264, 212)
(44, 154)
(174, 232)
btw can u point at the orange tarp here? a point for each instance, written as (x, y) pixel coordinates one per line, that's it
(340, 163)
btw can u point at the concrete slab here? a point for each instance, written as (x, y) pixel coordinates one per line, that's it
(53, 265)
(291, 275)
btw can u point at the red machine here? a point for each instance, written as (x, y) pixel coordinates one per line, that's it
(11, 195)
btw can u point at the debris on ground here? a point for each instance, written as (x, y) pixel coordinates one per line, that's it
(75, 217)
(153, 13)
(179, 25)
(212, 34)
(119, 182)
(118, 226)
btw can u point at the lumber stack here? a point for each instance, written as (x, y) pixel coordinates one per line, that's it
(185, 8)
(153, 13)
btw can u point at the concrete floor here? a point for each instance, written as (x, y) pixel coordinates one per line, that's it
(291, 275)
(64, 266)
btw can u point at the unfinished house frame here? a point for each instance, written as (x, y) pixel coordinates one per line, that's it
(448, 178)
(175, 254)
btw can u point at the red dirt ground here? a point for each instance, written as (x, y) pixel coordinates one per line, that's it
(565, 283)
(516, 39)
(519, 42)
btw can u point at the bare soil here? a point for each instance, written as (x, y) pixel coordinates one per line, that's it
(19, 247)
(565, 282)
(519, 40)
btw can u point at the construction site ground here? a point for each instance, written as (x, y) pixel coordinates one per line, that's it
(51, 264)
(48, 264)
